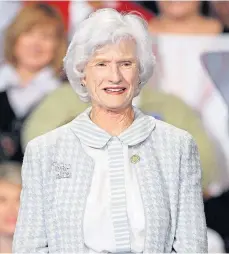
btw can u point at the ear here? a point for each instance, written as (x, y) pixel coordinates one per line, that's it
(83, 81)
(138, 89)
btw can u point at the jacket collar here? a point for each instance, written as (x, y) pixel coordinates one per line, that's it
(92, 135)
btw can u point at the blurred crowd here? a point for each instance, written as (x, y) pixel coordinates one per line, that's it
(189, 89)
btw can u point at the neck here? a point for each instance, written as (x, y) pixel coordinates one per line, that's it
(6, 244)
(26, 75)
(192, 18)
(112, 122)
(182, 24)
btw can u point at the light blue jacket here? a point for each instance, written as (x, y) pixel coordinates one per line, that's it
(57, 176)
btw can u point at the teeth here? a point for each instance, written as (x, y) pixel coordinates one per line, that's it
(114, 90)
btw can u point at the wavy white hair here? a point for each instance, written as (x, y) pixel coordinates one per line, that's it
(103, 27)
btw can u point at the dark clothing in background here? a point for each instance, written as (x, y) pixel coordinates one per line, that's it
(10, 127)
(217, 216)
(225, 30)
(152, 6)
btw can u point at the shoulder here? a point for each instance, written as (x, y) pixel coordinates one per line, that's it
(166, 132)
(57, 137)
(212, 26)
(154, 26)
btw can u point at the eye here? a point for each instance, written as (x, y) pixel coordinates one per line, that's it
(126, 64)
(101, 64)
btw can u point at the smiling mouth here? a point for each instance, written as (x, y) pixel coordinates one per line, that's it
(114, 90)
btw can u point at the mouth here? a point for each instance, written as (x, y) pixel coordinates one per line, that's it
(114, 90)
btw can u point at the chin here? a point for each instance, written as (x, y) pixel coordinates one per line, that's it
(8, 232)
(117, 107)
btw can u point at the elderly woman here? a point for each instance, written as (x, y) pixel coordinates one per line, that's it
(112, 180)
(10, 188)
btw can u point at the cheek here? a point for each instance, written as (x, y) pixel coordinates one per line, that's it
(96, 86)
(3, 211)
(51, 46)
(24, 41)
(131, 77)
(94, 80)
(20, 48)
(48, 49)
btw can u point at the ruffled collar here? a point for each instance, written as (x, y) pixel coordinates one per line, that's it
(92, 135)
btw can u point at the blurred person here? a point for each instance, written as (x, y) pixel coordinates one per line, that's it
(181, 34)
(217, 210)
(10, 188)
(114, 179)
(180, 26)
(220, 10)
(74, 12)
(35, 44)
(217, 65)
(183, 17)
(152, 6)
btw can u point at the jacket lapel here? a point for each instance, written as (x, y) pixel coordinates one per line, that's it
(72, 171)
(154, 196)
(73, 187)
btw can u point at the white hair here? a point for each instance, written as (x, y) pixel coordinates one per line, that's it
(103, 27)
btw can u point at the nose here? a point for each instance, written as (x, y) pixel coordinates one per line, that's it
(115, 76)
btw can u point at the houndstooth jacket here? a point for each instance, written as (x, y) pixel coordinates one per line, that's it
(57, 176)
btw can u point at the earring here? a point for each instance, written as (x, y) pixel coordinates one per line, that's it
(82, 85)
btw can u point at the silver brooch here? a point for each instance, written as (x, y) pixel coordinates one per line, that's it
(62, 170)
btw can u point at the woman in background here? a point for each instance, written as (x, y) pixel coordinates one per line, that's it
(35, 44)
(10, 188)
(183, 32)
(183, 17)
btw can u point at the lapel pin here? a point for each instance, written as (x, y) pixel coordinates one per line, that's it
(62, 170)
(135, 158)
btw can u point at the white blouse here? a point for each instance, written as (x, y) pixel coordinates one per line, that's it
(98, 224)
(23, 99)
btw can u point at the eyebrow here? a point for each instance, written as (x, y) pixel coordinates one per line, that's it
(119, 61)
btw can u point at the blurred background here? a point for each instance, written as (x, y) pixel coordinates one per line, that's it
(189, 89)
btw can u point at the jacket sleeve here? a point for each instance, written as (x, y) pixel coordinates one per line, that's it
(191, 230)
(30, 234)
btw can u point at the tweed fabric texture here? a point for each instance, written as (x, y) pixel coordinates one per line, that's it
(57, 175)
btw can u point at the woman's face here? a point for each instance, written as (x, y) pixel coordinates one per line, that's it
(112, 75)
(35, 48)
(9, 204)
(179, 9)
